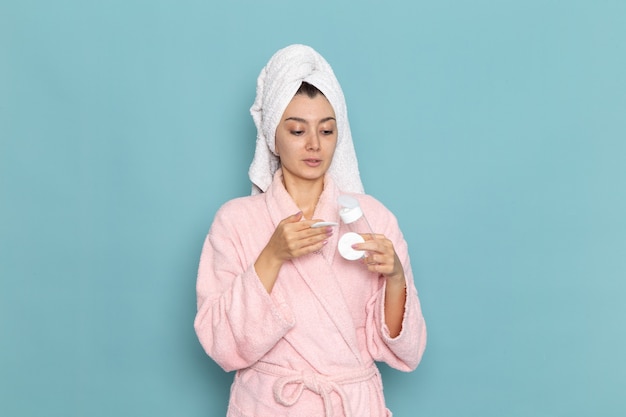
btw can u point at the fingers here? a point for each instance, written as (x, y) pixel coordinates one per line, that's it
(293, 218)
(373, 236)
(295, 237)
(380, 256)
(375, 243)
(300, 242)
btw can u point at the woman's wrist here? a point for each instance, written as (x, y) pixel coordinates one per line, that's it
(396, 280)
(267, 268)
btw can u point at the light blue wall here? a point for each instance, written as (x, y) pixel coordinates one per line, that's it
(496, 130)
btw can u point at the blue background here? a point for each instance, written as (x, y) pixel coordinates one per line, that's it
(495, 130)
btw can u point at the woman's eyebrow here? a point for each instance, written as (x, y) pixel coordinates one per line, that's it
(300, 119)
(296, 119)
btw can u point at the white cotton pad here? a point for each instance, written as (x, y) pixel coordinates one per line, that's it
(345, 246)
(322, 224)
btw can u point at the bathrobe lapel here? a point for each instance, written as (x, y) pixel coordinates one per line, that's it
(314, 266)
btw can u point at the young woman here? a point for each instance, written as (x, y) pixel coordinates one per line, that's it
(301, 325)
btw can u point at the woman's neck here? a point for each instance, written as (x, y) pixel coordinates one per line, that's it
(305, 194)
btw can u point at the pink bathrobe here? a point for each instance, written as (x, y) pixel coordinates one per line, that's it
(308, 348)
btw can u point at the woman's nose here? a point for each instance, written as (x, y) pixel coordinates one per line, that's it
(313, 142)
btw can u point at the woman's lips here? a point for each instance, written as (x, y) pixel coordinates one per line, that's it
(313, 162)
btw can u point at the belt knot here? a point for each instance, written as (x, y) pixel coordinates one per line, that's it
(320, 384)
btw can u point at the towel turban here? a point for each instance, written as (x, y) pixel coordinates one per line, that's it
(277, 84)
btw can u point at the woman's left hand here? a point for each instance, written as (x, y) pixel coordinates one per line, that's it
(381, 257)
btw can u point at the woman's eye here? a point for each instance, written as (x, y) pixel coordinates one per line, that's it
(297, 132)
(327, 132)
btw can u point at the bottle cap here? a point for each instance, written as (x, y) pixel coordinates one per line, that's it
(346, 200)
(350, 210)
(345, 246)
(349, 215)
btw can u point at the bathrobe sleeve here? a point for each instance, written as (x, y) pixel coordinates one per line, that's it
(405, 351)
(237, 320)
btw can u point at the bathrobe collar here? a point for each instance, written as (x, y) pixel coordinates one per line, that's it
(315, 269)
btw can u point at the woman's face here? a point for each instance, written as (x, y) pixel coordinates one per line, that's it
(306, 138)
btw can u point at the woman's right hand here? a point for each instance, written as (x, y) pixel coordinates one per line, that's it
(292, 238)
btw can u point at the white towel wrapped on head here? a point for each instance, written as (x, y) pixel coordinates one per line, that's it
(277, 84)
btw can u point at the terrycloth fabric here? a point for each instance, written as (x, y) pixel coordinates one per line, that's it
(321, 328)
(276, 85)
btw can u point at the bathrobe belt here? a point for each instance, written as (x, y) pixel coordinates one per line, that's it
(323, 385)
